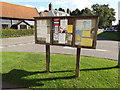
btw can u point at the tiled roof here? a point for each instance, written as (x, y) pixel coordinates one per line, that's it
(17, 11)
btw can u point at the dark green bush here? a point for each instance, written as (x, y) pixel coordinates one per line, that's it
(5, 33)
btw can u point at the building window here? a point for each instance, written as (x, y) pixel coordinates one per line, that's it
(23, 26)
(4, 26)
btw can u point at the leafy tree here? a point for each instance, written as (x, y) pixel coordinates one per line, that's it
(61, 9)
(45, 10)
(87, 12)
(106, 15)
(76, 12)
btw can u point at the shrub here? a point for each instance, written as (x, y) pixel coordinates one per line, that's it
(5, 33)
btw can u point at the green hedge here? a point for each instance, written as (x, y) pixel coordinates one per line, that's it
(5, 33)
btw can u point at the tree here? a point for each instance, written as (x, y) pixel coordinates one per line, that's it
(61, 9)
(106, 15)
(86, 12)
(45, 10)
(76, 12)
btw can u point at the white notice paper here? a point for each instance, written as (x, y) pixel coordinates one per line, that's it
(55, 36)
(56, 29)
(64, 24)
(42, 23)
(42, 30)
(83, 24)
(48, 38)
(62, 37)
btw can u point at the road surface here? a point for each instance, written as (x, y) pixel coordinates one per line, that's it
(105, 48)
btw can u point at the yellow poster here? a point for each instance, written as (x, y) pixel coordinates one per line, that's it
(86, 34)
(87, 42)
(70, 28)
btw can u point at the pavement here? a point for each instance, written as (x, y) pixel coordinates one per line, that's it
(105, 49)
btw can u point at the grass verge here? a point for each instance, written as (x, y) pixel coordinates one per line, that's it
(28, 69)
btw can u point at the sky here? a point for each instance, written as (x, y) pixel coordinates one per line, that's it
(42, 5)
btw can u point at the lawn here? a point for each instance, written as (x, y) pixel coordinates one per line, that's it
(28, 69)
(109, 35)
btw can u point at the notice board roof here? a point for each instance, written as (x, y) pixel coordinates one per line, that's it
(89, 17)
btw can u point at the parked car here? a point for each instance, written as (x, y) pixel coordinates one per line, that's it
(109, 30)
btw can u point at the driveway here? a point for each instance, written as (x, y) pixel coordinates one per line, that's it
(105, 48)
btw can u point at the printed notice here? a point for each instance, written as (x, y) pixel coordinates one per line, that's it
(55, 36)
(42, 30)
(83, 24)
(86, 33)
(56, 29)
(62, 37)
(78, 36)
(48, 38)
(64, 24)
(87, 42)
(42, 23)
(70, 28)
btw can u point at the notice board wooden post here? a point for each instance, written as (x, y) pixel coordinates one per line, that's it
(119, 44)
(78, 62)
(48, 58)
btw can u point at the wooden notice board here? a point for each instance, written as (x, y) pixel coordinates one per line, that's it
(73, 31)
(80, 31)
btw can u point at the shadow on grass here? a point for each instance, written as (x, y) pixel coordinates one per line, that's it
(94, 69)
(18, 76)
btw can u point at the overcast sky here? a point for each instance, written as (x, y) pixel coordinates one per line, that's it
(42, 5)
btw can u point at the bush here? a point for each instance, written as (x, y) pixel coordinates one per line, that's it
(5, 33)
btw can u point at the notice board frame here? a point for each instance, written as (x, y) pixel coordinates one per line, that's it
(96, 18)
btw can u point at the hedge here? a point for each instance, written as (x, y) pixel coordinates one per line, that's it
(5, 33)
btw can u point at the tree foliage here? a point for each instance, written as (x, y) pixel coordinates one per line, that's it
(61, 9)
(76, 12)
(106, 14)
(86, 12)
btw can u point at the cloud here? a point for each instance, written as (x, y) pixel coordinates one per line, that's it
(73, 4)
(42, 8)
(29, 6)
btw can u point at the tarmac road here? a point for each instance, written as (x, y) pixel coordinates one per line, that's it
(105, 48)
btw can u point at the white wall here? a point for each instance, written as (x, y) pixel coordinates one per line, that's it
(30, 22)
(14, 21)
(8, 22)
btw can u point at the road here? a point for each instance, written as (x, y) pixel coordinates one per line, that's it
(105, 48)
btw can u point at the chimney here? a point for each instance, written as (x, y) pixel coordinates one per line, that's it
(50, 6)
(68, 10)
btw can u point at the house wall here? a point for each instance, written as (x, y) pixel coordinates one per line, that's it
(30, 22)
(11, 22)
(22, 24)
(5, 21)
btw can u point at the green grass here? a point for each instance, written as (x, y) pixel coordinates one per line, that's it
(109, 35)
(28, 69)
